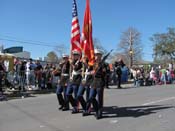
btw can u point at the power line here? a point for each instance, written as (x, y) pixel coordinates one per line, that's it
(14, 38)
(29, 42)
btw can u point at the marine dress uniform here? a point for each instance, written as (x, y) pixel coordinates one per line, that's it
(63, 72)
(87, 78)
(97, 86)
(75, 80)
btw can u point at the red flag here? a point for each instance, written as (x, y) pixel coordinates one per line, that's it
(87, 42)
(75, 31)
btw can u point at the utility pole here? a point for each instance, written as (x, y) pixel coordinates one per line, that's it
(130, 50)
(131, 57)
(1, 48)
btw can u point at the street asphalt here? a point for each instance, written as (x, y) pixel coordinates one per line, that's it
(130, 109)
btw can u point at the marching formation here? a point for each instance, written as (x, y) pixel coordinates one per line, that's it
(85, 72)
(77, 77)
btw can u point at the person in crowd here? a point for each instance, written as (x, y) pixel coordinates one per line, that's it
(118, 70)
(163, 75)
(22, 75)
(113, 79)
(2, 71)
(38, 73)
(48, 76)
(30, 74)
(169, 77)
(152, 76)
(139, 77)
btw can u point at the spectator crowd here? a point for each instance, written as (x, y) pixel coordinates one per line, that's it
(32, 75)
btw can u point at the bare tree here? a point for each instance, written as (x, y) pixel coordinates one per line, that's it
(61, 49)
(130, 44)
(98, 45)
(115, 56)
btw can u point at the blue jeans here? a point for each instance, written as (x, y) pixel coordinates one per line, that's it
(163, 78)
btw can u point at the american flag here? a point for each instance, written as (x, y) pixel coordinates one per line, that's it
(75, 31)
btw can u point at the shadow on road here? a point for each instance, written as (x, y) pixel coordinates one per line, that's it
(132, 111)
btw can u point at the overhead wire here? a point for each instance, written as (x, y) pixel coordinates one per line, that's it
(31, 42)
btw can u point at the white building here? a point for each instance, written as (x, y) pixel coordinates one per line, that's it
(24, 54)
(17, 51)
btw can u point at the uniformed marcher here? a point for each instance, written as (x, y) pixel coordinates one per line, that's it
(63, 72)
(75, 80)
(85, 83)
(97, 86)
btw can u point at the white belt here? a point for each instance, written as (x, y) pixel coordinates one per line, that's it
(65, 74)
(87, 73)
(76, 73)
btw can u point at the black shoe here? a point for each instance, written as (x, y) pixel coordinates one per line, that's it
(65, 109)
(85, 113)
(61, 107)
(74, 111)
(98, 114)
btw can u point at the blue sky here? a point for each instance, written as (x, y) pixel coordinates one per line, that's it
(49, 21)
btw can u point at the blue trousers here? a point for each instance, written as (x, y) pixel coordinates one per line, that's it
(1, 76)
(72, 88)
(80, 94)
(97, 103)
(59, 91)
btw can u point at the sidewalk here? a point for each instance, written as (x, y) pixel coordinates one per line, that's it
(13, 94)
(16, 94)
(128, 84)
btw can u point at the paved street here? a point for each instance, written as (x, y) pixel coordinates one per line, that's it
(129, 109)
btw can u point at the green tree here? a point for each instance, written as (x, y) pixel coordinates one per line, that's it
(164, 45)
(52, 57)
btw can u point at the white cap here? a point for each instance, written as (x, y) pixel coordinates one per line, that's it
(75, 52)
(97, 51)
(65, 55)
